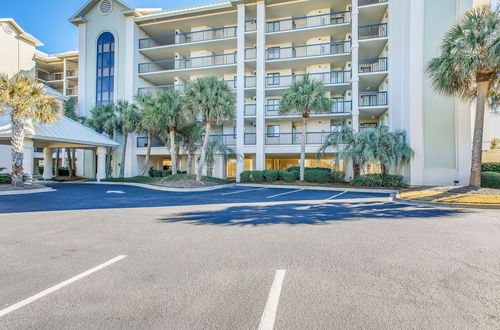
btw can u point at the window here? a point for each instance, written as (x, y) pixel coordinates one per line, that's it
(105, 68)
(273, 53)
(273, 26)
(273, 105)
(273, 79)
(273, 130)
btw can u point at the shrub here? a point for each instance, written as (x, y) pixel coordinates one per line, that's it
(289, 177)
(165, 173)
(337, 177)
(491, 167)
(156, 173)
(490, 180)
(378, 180)
(252, 176)
(271, 175)
(63, 171)
(297, 168)
(245, 176)
(6, 178)
(281, 173)
(318, 176)
(296, 173)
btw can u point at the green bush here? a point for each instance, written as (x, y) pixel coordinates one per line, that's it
(297, 168)
(378, 180)
(317, 176)
(271, 175)
(165, 173)
(490, 180)
(155, 173)
(281, 173)
(337, 177)
(289, 177)
(6, 178)
(252, 176)
(491, 167)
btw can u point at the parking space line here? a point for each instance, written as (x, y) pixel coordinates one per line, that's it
(269, 315)
(58, 286)
(337, 195)
(242, 191)
(288, 192)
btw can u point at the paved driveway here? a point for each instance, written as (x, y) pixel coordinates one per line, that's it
(116, 257)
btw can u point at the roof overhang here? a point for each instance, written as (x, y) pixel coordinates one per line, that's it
(78, 17)
(21, 33)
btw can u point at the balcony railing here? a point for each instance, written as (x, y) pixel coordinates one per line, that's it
(250, 110)
(330, 48)
(153, 89)
(338, 106)
(251, 25)
(250, 53)
(373, 64)
(327, 78)
(304, 22)
(188, 37)
(370, 2)
(71, 91)
(250, 139)
(296, 138)
(250, 81)
(49, 76)
(371, 31)
(372, 99)
(142, 142)
(72, 73)
(224, 139)
(188, 63)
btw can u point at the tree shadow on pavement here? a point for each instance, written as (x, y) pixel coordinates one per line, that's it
(308, 214)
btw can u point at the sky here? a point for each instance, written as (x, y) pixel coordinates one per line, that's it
(47, 20)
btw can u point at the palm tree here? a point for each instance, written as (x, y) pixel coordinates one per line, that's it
(103, 120)
(128, 121)
(27, 101)
(217, 147)
(214, 101)
(146, 104)
(191, 137)
(305, 96)
(468, 67)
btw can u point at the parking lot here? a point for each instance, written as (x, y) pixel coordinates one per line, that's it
(114, 257)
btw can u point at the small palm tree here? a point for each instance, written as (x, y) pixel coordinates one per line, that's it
(216, 147)
(214, 101)
(103, 120)
(191, 137)
(469, 66)
(146, 104)
(128, 121)
(27, 101)
(305, 96)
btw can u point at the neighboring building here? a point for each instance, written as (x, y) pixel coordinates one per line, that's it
(58, 71)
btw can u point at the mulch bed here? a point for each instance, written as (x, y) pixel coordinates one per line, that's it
(184, 184)
(9, 187)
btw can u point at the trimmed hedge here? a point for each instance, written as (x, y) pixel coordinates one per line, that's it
(490, 180)
(271, 175)
(378, 180)
(159, 173)
(289, 177)
(297, 168)
(317, 176)
(491, 167)
(337, 177)
(252, 176)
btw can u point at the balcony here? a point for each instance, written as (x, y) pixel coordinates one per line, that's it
(371, 31)
(250, 139)
(179, 87)
(373, 99)
(250, 110)
(188, 37)
(224, 139)
(370, 2)
(49, 77)
(337, 77)
(250, 81)
(305, 22)
(338, 107)
(296, 138)
(250, 53)
(142, 142)
(323, 49)
(251, 25)
(72, 91)
(372, 64)
(72, 73)
(188, 63)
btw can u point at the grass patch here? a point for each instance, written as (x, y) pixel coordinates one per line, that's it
(134, 179)
(470, 199)
(179, 177)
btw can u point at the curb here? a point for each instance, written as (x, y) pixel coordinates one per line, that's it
(383, 191)
(447, 205)
(153, 187)
(25, 192)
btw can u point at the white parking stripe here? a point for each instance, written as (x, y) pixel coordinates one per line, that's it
(58, 286)
(334, 196)
(242, 191)
(288, 192)
(269, 315)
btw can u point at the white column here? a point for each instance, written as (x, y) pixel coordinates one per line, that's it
(80, 162)
(101, 163)
(82, 37)
(130, 44)
(240, 94)
(65, 72)
(47, 163)
(355, 65)
(260, 122)
(28, 158)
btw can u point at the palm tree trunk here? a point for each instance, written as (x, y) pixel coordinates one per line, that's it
(477, 140)
(148, 153)
(303, 148)
(383, 168)
(56, 165)
(124, 153)
(17, 147)
(173, 155)
(73, 160)
(210, 168)
(189, 161)
(355, 169)
(203, 151)
(69, 162)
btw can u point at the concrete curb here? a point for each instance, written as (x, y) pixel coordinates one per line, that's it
(383, 191)
(24, 192)
(153, 187)
(447, 205)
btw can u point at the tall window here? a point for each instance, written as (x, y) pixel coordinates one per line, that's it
(105, 68)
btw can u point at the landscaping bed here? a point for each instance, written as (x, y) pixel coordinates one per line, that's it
(173, 181)
(10, 187)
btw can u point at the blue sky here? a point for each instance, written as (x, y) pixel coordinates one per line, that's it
(48, 21)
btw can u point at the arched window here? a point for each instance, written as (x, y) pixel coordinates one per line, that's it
(105, 68)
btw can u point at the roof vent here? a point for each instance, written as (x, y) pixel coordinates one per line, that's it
(105, 7)
(8, 29)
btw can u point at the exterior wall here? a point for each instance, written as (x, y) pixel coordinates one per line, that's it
(16, 54)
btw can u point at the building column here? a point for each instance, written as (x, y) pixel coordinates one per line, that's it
(101, 163)
(82, 37)
(260, 121)
(65, 78)
(28, 158)
(48, 166)
(355, 65)
(240, 93)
